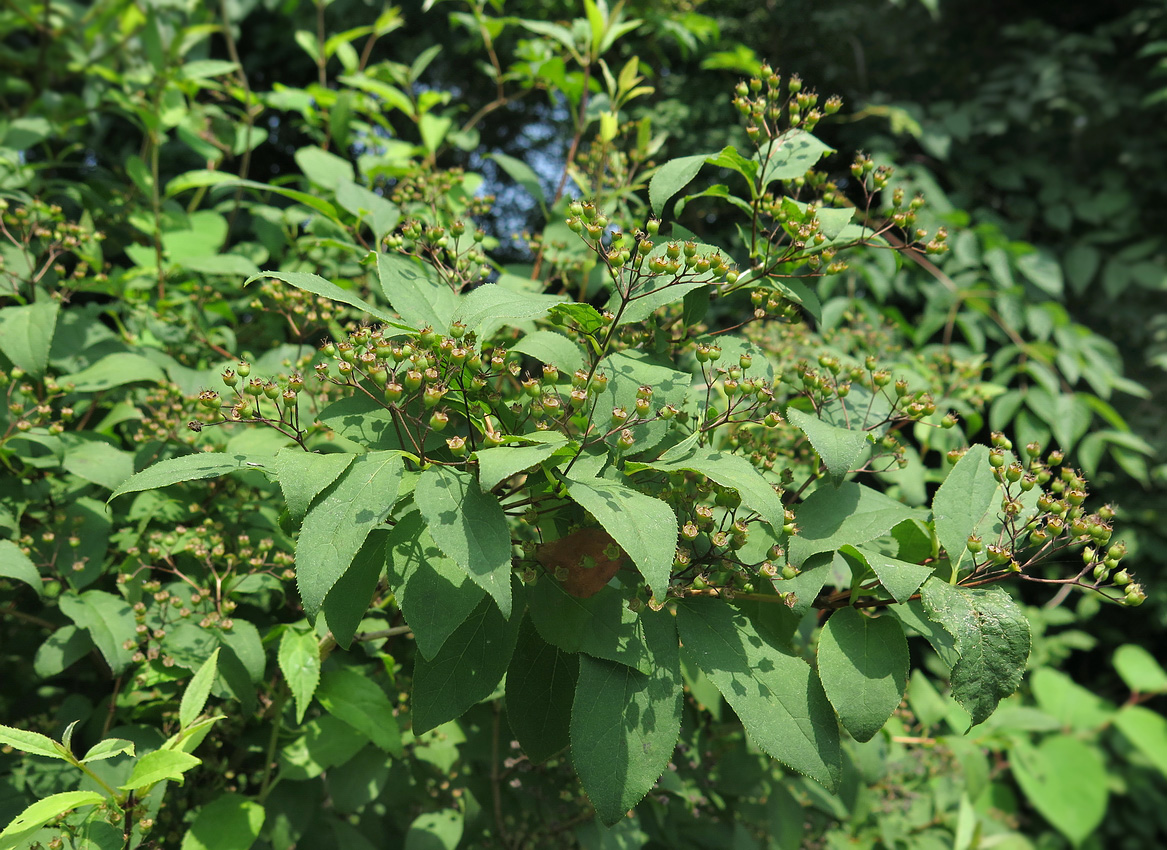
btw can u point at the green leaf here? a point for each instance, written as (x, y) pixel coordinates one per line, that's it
(317, 285)
(841, 449)
(491, 305)
(540, 687)
(324, 168)
(586, 317)
(348, 601)
(777, 696)
(551, 347)
(335, 528)
(15, 564)
(600, 625)
(159, 766)
(201, 69)
(33, 743)
(194, 698)
(415, 292)
(228, 265)
(115, 370)
(1146, 730)
(62, 648)
(26, 335)
(646, 528)
(967, 496)
(863, 664)
(1043, 271)
(380, 214)
(470, 527)
(359, 702)
(729, 158)
(992, 640)
(728, 470)
(1066, 780)
(466, 670)
(244, 646)
(107, 749)
(1138, 668)
(24, 825)
(899, 578)
(325, 743)
(624, 724)
(837, 516)
(229, 822)
(188, 468)
(499, 463)
(646, 301)
(307, 199)
(435, 594)
(98, 461)
(304, 475)
(1070, 704)
(365, 421)
(793, 154)
(435, 831)
(299, 660)
(522, 174)
(109, 621)
(672, 177)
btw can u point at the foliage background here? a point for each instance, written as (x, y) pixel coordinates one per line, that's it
(1036, 135)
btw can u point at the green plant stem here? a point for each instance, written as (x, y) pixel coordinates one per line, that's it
(277, 713)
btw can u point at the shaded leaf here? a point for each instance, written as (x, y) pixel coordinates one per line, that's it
(434, 593)
(967, 496)
(466, 670)
(188, 468)
(229, 822)
(109, 621)
(317, 285)
(359, 702)
(848, 514)
(304, 475)
(992, 640)
(601, 625)
(540, 687)
(15, 564)
(728, 470)
(299, 660)
(863, 664)
(841, 449)
(645, 528)
(776, 695)
(415, 293)
(470, 527)
(26, 335)
(624, 724)
(335, 528)
(899, 578)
